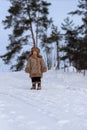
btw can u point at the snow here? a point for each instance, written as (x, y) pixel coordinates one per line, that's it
(60, 105)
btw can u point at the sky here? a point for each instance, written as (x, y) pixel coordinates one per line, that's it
(58, 11)
(60, 8)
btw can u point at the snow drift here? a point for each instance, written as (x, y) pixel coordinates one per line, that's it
(60, 105)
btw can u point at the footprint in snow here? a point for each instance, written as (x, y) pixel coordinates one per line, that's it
(11, 120)
(1, 102)
(62, 122)
(12, 112)
(2, 105)
(2, 109)
(42, 128)
(20, 117)
(4, 116)
(31, 122)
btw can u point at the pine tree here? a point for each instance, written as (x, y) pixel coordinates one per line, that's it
(56, 37)
(28, 20)
(47, 42)
(47, 48)
(71, 45)
(82, 11)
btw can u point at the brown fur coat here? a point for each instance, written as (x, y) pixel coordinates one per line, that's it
(35, 66)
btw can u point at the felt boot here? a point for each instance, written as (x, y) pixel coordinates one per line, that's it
(33, 85)
(38, 85)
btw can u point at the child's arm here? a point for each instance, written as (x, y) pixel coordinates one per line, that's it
(43, 66)
(27, 68)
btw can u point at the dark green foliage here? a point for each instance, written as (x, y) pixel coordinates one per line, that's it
(56, 37)
(47, 41)
(28, 20)
(82, 54)
(75, 48)
(71, 46)
(20, 61)
(15, 10)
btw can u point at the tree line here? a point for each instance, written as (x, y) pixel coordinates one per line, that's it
(31, 26)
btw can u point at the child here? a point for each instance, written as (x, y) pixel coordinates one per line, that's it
(35, 67)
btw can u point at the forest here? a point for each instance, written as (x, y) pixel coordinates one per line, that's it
(31, 26)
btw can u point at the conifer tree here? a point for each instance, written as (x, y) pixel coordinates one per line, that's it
(56, 37)
(47, 42)
(71, 45)
(82, 11)
(28, 20)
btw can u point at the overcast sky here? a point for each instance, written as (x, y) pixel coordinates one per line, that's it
(58, 11)
(60, 8)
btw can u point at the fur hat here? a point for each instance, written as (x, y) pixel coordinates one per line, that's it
(35, 49)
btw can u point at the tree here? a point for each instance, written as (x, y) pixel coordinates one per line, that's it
(47, 49)
(47, 42)
(28, 20)
(55, 37)
(71, 46)
(82, 11)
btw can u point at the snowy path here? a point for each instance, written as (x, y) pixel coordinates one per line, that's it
(60, 105)
(22, 117)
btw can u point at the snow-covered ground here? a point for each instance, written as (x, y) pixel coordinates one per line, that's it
(60, 105)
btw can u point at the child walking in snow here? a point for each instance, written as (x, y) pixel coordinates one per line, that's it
(35, 67)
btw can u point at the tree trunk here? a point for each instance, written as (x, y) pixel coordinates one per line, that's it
(58, 57)
(84, 72)
(37, 32)
(31, 29)
(32, 35)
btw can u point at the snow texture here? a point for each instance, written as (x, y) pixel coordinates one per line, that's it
(60, 105)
